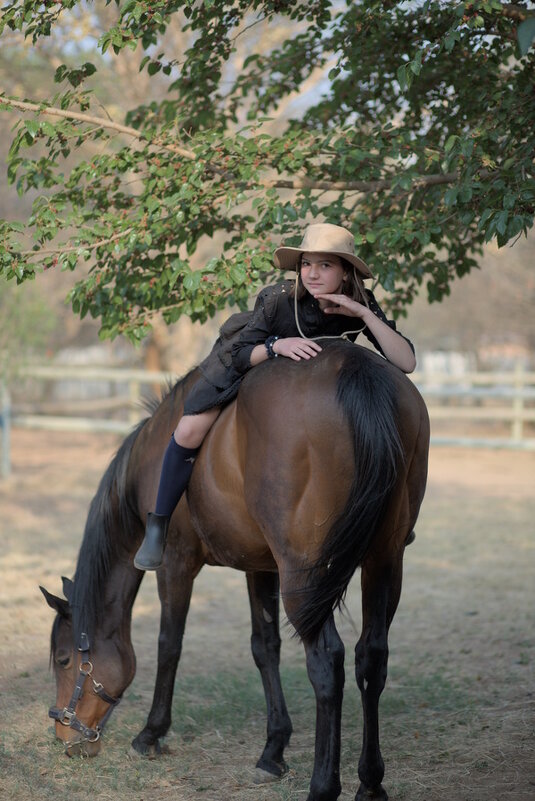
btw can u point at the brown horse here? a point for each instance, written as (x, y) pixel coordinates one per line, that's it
(317, 468)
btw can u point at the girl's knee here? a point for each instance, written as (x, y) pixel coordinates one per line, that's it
(192, 429)
(186, 432)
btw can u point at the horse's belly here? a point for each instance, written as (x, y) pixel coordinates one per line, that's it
(230, 535)
(218, 507)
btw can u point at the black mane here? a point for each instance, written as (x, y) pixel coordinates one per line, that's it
(112, 518)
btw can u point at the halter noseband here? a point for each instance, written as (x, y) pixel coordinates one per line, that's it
(67, 715)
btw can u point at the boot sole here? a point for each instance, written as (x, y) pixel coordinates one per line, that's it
(146, 567)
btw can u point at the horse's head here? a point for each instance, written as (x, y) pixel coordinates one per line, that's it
(90, 678)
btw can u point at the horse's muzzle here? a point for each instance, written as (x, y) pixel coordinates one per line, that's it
(81, 747)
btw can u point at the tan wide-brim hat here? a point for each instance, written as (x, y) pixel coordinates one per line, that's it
(323, 238)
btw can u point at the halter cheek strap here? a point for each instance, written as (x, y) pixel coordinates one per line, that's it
(67, 715)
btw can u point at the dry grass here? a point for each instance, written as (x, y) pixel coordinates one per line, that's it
(458, 712)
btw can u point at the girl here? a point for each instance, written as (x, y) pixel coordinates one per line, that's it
(328, 300)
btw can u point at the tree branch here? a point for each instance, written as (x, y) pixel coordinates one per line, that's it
(101, 122)
(76, 248)
(358, 186)
(299, 182)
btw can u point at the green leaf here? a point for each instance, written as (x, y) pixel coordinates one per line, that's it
(33, 127)
(525, 35)
(416, 65)
(238, 273)
(501, 221)
(192, 281)
(484, 217)
(465, 194)
(404, 76)
(451, 38)
(450, 196)
(47, 128)
(450, 142)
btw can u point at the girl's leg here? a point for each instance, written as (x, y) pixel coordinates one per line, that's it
(176, 471)
(192, 428)
(179, 458)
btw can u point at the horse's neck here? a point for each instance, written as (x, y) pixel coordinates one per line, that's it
(119, 594)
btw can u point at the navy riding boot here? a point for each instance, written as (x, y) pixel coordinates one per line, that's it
(150, 554)
(176, 472)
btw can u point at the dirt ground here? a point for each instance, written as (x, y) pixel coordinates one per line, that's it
(458, 712)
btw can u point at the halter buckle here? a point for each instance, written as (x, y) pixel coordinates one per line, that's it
(65, 716)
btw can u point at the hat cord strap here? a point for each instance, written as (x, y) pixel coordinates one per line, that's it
(345, 334)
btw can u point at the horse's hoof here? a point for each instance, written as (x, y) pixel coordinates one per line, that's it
(377, 794)
(145, 750)
(266, 777)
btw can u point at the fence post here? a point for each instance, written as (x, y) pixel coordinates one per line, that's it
(5, 426)
(517, 428)
(134, 390)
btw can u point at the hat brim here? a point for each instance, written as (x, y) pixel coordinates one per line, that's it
(288, 258)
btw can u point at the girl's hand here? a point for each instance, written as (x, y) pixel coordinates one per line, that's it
(296, 348)
(342, 304)
(396, 349)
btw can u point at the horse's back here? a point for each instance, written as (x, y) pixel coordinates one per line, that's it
(281, 458)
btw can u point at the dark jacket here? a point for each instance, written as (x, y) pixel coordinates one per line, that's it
(273, 314)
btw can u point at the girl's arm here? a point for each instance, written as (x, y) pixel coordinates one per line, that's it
(395, 347)
(294, 348)
(250, 349)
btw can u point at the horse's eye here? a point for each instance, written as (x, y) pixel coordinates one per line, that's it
(63, 658)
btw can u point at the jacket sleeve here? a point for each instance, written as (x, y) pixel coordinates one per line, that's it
(256, 331)
(376, 309)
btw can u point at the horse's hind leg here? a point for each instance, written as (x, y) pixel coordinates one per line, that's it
(175, 585)
(381, 587)
(265, 644)
(325, 665)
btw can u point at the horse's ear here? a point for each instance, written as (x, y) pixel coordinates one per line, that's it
(68, 587)
(59, 605)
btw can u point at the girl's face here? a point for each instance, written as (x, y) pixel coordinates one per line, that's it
(322, 273)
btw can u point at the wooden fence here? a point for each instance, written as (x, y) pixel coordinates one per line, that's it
(505, 398)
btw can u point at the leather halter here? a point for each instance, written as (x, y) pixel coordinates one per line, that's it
(67, 715)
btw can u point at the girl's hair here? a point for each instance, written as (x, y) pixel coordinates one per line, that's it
(353, 286)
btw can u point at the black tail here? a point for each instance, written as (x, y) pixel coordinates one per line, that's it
(367, 396)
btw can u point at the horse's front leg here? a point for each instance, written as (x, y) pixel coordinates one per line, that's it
(265, 644)
(175, 584)
(325, 665)
(381, 587)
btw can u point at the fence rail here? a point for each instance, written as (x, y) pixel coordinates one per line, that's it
(472, 396)
(465, 397)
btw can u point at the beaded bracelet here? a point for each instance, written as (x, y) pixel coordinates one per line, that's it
(270, 341)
